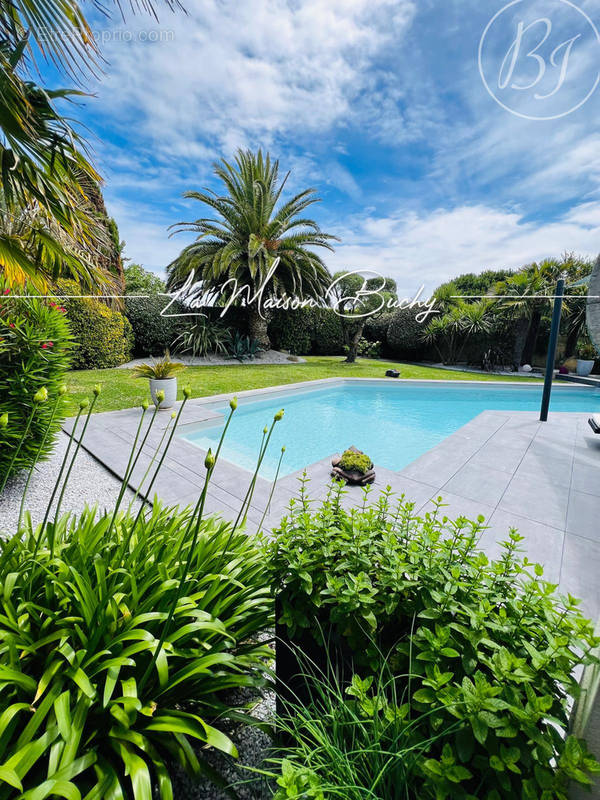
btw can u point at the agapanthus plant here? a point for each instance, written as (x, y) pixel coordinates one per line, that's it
(121, 634)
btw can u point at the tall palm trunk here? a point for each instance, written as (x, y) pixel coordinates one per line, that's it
(532, 336)
(257, 327)
(521, 328)
(572, 337)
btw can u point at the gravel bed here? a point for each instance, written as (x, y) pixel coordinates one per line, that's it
(268, 357)
(89, 484)
(253, 746)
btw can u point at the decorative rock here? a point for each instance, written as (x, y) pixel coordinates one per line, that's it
(353, 478)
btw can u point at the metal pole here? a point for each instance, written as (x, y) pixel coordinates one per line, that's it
(558, 301)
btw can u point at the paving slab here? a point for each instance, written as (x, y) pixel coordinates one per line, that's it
(541, 478)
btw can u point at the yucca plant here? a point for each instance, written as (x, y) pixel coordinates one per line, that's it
(451, 332)
(120, 635)
(203, 337)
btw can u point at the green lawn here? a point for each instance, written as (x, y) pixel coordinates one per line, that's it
(120, 390)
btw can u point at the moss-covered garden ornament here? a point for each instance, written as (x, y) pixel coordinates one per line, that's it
(353, 466)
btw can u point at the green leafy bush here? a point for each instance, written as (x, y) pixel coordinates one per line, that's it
(489, 647)
(405, 335)
(368, 349)
(153, 333)
(352, 461)
(85, 606)
(308, 330)
(376, 328)
(103, 335)
(327, 332)
(35, 346)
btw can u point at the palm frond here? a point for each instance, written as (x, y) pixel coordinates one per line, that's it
(252, 228)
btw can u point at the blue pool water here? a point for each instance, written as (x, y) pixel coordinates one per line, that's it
(394, 423)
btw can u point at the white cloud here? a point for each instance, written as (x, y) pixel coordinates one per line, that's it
(235, 72)
(433, 247)
(414, 249)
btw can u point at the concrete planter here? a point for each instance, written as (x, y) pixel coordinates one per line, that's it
(168, 386)
(584, 367)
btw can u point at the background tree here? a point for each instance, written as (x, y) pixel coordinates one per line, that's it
(470, 283)
(521, 301)
(574, 319)
(141, 281)
(251, 228)
(355, 310)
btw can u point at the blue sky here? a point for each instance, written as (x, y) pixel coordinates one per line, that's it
(379, 105)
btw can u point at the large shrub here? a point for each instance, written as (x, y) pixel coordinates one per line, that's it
(152, 332)
(327, 332)
(110, 666)
(376, 329)
(35, 345)
(483, 651)
(307, 331)
(102, 335)
(404, 335)
(291, 330)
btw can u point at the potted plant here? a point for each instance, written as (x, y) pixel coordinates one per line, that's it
(586, 358)
(162, 377)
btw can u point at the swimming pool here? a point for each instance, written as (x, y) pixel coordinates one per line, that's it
(394, 423)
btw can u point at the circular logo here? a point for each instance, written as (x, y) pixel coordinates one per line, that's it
(540, 61)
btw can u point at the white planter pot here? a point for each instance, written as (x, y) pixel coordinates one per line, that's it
(584, 367)
(168, 386)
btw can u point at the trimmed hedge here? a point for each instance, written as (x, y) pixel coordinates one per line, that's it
(307, 331)
(103, 335)
(376, 329)
(35, 343)
(152, 333)
(328, 332)
(404, 335)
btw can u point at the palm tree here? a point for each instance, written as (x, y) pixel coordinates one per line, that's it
(36, 250)
(450, 332)
(44, 164)
(252, 229)
(521, 303)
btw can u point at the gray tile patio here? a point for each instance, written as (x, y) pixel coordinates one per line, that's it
(540, 478)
